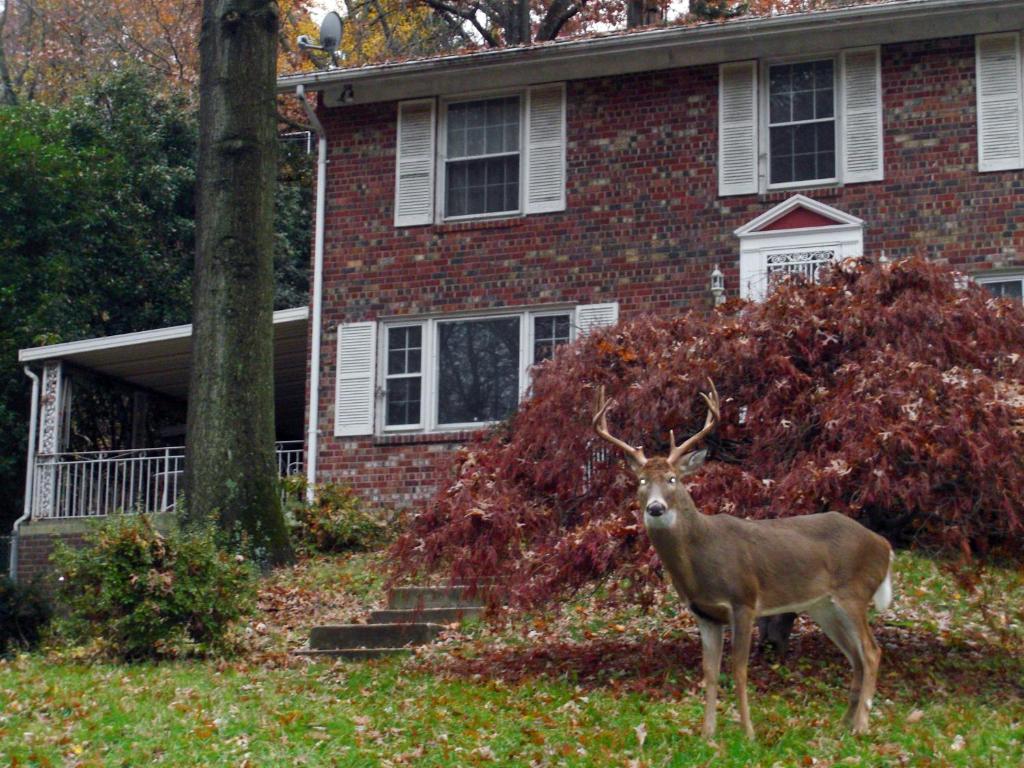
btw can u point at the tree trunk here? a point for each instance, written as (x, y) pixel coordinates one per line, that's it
(230, 467)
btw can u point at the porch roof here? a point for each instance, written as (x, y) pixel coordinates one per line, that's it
(159, 360)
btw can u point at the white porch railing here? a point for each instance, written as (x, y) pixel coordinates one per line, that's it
(98, 483)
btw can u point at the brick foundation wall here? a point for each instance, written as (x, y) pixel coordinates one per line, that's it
(644, 225)
(34, 550)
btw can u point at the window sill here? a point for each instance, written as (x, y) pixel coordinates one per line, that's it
(516, 220)
(825, 191)
(424, 439)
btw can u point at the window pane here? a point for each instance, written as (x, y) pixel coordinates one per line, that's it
(478, 370)
(482, 186)
(1008, 289)
(548, 333)
(486, 127)
(403, 401)
(404, 350)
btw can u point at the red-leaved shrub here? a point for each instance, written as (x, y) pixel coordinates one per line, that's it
(885, 392)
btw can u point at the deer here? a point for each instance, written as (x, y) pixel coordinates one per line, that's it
(730, 571)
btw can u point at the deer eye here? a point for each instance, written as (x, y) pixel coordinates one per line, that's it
(672, 480)
(643, 481)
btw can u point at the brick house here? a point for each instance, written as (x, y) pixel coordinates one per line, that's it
(480, 209)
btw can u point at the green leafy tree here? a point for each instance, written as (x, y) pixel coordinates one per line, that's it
(97, 208)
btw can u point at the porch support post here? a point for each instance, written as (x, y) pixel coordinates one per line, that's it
(50, 431)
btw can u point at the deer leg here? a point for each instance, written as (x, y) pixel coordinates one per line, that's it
(711, 642)
(742, 629)
(856, 614)
(834, 624)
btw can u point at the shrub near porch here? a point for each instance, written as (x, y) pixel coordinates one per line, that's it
(597, 686)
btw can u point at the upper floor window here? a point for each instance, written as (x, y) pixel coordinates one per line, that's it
(802, 122)
(498, 155)
(789, 124)
(482, 157)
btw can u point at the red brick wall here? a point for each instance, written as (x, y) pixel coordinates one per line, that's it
(34, 553)
(644, 224)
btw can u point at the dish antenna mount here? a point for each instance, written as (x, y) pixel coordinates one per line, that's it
(330, 38)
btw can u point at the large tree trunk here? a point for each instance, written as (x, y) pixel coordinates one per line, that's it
(230, 467)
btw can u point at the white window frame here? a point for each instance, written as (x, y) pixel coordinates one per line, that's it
(385, 377)
(764, 127)
(441, 158)
(1001, 277)
(430, 368)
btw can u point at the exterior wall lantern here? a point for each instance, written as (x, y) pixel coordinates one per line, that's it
(717, 286)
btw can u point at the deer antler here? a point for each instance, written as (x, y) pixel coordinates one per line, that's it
(600, 421)
(714, 414)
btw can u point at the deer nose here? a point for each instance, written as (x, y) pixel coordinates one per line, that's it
(655, 509)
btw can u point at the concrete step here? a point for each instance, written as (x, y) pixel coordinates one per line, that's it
(353, 654)
(365, 636)
(420, 598)
(429, 615)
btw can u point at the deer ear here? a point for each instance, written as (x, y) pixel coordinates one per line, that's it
(689, 463)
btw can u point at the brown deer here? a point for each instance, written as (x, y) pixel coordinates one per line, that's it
(730, 571)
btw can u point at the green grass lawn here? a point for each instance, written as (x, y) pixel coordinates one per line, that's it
(594, 686)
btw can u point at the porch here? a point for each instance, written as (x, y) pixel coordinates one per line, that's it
(108, 419)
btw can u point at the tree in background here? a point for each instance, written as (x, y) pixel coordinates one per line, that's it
(97, 231)
(230, 466)
(51, 49)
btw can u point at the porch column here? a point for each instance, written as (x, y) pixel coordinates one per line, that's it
(51, 412)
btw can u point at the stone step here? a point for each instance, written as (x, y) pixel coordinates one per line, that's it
(429, 615)
(366, 636)
(352, 654)
(420, 598)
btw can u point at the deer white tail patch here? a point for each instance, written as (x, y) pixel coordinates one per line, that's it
(883, 595)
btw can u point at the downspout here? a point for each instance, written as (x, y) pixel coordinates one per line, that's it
(313, 419)
(30, 473)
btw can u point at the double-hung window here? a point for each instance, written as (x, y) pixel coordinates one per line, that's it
(448, 372)
(457, 372)
(404, 375)
(784, 124)
(802, 122)
(480, 156)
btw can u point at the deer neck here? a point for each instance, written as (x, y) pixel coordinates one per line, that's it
(677, 539)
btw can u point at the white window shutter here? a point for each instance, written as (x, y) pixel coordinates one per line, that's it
(545, 149)
(356, 375)
(862, 116)
(590, 316)
(1000, 119)
(737, 128)
(414, 164)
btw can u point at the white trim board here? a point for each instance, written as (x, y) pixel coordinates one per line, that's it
(69, 348)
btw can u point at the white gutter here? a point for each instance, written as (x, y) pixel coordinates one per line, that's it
(313, 414)
(970, 16)
(29, 474)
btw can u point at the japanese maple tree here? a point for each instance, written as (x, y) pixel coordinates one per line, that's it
(889, 392)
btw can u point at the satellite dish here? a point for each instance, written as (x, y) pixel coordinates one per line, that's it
(330, 32)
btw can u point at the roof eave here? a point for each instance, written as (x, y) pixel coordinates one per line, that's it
(674, 44)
